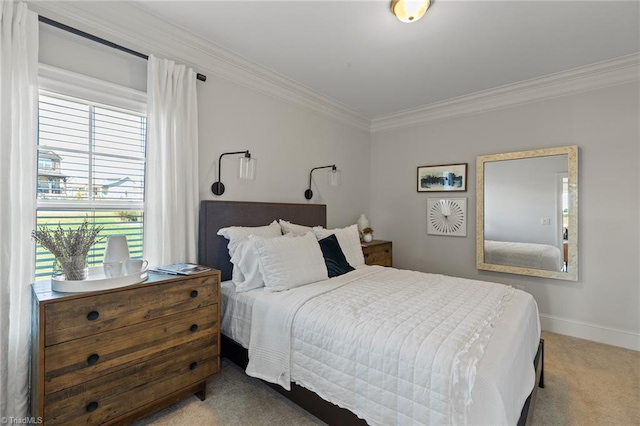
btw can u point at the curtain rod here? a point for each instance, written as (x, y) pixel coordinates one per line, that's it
(91, 37)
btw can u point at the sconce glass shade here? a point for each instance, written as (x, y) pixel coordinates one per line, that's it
(247, 167)
(409, 11)
(334, 177)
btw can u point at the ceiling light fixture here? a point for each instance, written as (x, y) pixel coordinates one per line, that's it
(409, 10)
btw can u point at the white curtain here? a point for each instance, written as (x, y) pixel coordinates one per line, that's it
(18, 133)
(171, 200)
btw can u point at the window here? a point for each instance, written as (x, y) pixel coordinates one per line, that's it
(91, 164)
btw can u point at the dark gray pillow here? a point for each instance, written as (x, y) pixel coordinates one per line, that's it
(334, 257)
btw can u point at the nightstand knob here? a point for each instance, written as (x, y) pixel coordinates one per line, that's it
(93, 358)
(194, 328)
(92, 406)
(193, 366)
(194, 294)
(366, 255)
(93, 315)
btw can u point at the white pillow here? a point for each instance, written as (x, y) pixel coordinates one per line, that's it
(349, 240)
(292, 228)
(288, 262)
(246, 273)
(237, 234)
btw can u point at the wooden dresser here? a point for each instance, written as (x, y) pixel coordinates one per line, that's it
(378, 252)
(113, 356)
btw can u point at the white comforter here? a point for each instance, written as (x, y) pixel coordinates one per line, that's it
(392, 346)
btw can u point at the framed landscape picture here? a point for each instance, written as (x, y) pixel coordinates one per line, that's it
(449, 177)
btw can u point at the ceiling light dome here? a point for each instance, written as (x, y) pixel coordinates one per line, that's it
(409, 10)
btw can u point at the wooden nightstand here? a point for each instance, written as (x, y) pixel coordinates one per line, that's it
(378, 252)
(117, 355)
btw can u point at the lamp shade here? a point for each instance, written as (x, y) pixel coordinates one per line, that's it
(247, 167)
(334, 177)
(410, 10)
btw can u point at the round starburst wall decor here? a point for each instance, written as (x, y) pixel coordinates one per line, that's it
(447, 216)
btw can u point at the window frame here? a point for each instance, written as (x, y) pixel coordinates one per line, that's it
(58, 83)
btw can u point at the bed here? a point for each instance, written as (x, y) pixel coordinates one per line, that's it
(524, 255)
(512, 359)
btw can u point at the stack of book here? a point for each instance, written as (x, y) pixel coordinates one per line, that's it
(181, 269)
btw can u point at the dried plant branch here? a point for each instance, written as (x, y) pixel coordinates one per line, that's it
(70, 243)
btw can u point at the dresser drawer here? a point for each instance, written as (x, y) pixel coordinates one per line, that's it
(70, 363)
(94, 314)
(378, 253)
(113, 395)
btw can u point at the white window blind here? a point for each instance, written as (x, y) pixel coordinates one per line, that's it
(91, 164)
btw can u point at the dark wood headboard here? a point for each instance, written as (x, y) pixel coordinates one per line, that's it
(212, 248)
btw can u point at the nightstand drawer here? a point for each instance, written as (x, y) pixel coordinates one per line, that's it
(113, 395)
(95, 314)
(71, 363)
(378, 253)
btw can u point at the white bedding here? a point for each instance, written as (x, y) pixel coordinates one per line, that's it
(504, 376)
(524, 255)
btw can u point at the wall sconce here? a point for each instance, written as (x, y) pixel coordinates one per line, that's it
(246, 169)
(333, 178)
(409, 10)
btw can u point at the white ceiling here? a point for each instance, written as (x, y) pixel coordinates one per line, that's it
(359, 54)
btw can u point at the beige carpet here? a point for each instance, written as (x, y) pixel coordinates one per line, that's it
(586, 383)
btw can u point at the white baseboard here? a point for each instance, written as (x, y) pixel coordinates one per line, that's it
(584, 330)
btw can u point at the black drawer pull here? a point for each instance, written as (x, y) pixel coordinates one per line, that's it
(93, 358)
(194, 328)
(93, 315)
(194, 294)
(92, 406)
(193, 366)
(386, 251)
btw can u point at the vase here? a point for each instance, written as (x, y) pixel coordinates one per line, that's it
(367, 238)
(117, 249)
(74, 268)
(363, 222)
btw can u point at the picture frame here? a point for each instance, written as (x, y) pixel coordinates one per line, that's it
(442, 178)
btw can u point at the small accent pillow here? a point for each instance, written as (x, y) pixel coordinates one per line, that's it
(334, 257)
(237, 234)
(288, 262)
(292, 228)
(349, 240)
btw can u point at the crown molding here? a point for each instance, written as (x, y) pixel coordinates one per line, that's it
(132, 26)
(136, 28)
(612, 72)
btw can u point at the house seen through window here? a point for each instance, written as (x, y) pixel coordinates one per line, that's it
(91, 164)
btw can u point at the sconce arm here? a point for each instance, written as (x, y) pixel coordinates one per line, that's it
(333, 166)
(246, 154)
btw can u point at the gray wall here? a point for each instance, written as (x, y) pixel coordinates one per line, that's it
(604, 125)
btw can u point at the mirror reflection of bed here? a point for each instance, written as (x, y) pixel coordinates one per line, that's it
(524, 255)
(360, 315)
(527, 212)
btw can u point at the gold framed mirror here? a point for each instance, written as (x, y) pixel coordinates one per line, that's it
(527, 213)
